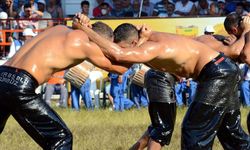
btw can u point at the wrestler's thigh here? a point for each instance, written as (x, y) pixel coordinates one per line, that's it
(41, 122)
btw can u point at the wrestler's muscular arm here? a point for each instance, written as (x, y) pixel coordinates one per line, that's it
(144, 53)
(245, 54)
(94, 54)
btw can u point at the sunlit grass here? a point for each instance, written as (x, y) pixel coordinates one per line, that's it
(99, 130)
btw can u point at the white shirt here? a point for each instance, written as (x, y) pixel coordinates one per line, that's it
(14, 47)
(185, 9)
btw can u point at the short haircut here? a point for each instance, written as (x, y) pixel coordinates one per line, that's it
(27, 5)
(84, 3)
(124, 32)
(104, 4)
(103, 29)
(232, 20)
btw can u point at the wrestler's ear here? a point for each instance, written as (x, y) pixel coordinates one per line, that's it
(234, 30)
(134, 43)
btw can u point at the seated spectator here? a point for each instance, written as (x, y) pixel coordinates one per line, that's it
(84, 91)
(160, 7)
(204, 7)
(97, 11)
(9, 9)
(30, 15)
(240, 9)
(43, 24)
(56, 83)
(85, 8)
(170, 7)
(17, 43)
(148, 7)
(55, 10)
(117, 10)
(185, 8)
(136, 10)
(117, 89)
(3, 25)
(209, 30)
(105, 10)
(245, 85)
(33, 6)
(126, 6)
(221, 4)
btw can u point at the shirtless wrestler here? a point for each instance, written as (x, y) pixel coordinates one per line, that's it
(53, 50)
(217, 76)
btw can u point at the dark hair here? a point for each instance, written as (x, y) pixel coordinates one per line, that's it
(84, 3)
(103, 29)
(232, 20)
(104, 4)
(125, 31)
(27, 5)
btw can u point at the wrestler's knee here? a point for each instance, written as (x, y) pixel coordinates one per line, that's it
(65, 142)
(160, 135)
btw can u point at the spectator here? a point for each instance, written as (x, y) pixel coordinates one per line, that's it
(148, 7)
(34, 8)
(209, 30)
(56, 83)
(43, 24)
(245, 85)
(170, 7)
(3, 25)
(97, 10)
(117, 10)
(246, 4)
(17, 43)
(180, 92)
(160, 7)
(117, 89)
(126, 6)
(105, 10)
(191, 90)
(9, 9)
(55, 10)
(204, 7)
(30, 15)
(136, 10)
(85, 8)
(185, 8)
(240, 9)
(84, 91)
(221, 8)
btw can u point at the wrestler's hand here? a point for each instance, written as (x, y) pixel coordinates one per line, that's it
(145, 31)
(82, 19)
(230, 39)
(245, 23)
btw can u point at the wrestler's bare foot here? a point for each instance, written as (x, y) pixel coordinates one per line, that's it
(141, 143)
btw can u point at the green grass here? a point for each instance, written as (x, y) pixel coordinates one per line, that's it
(99, 130)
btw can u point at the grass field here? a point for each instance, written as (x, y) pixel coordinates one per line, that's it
(99, 130)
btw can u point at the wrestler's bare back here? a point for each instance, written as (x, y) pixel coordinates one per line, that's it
(180, 55)
(53, 50)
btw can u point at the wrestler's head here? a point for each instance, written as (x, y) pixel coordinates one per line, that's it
(232, 24)
(103, 30)
(126, 35)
